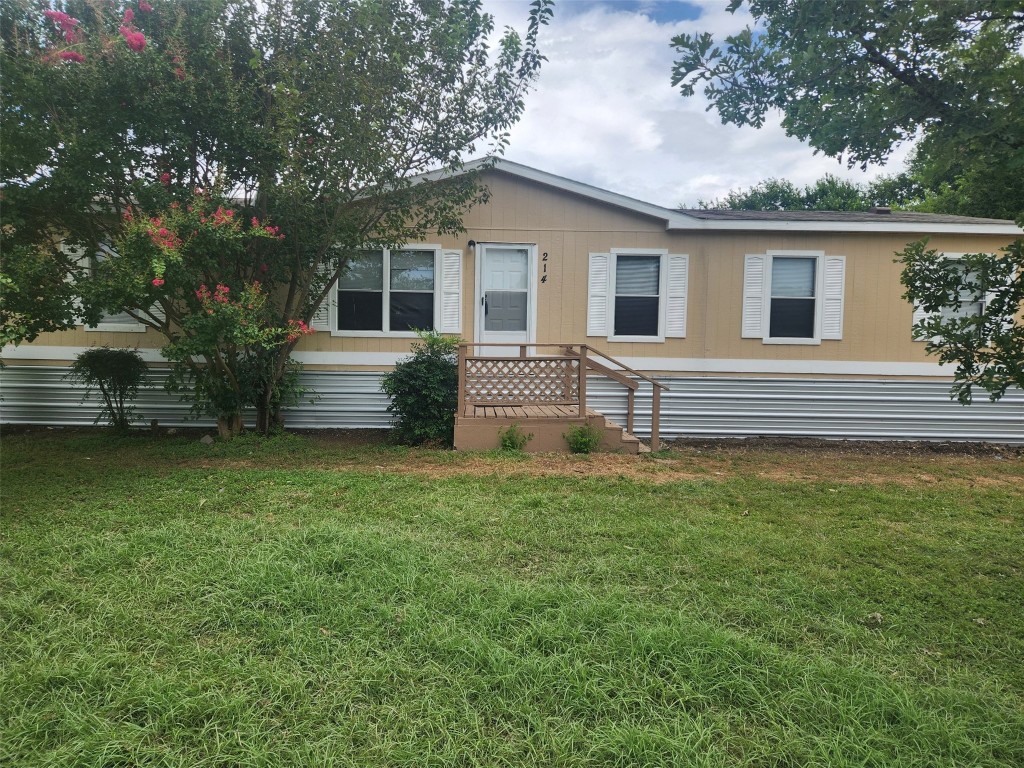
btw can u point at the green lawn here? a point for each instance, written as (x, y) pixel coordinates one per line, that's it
(294, 602)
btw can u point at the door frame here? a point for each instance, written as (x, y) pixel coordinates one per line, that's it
(531, 290)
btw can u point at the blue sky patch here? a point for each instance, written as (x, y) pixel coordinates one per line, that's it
(660, 11)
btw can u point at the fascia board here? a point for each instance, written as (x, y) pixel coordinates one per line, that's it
(861, 226)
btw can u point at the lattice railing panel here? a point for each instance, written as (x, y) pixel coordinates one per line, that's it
(522, 381)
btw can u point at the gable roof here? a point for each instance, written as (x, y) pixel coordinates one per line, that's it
(792, 221)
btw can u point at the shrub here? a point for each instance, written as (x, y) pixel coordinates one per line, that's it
(424, 390)
(117, 373)
(583, 438)
(513, 438)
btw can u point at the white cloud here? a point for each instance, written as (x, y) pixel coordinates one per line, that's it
(604, 111)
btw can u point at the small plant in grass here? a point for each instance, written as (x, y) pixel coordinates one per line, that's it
(117, 373)
(513, 438)
(424, 390)
(583, 438)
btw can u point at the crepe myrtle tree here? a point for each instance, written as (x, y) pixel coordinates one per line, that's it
(320, 119)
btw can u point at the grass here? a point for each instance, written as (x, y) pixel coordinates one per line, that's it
(293, 602)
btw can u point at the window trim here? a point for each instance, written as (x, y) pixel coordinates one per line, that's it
(662, 253)
(819, 297)
(385, 299)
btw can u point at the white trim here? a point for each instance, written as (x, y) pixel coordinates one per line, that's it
(332, 310)
(819, 296)
(531, 289)
(795, 367)
(670, 364)
(677, 220)
(45, 352)
(116, 327)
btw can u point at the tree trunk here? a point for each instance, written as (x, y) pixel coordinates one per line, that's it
(264, 411)
(229, 426)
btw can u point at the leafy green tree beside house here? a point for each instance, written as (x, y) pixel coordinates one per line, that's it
(854, 79)
(308, 116)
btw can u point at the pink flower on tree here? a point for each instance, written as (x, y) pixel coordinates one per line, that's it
(71, 56)
(297, 329)
(135, 40)
(129, 16)
(165, 179)
(66, 24)
(145, 7)
(158, 281)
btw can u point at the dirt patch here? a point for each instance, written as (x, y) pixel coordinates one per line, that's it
(818, 446)
(856, 462)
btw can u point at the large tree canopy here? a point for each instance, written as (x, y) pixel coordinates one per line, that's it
(312, 117)
(829, 193)
(855, 77)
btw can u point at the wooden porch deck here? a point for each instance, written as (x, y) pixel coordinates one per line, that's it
(544, 394)
(524, 412)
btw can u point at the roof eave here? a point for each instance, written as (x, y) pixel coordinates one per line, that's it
(895, 227)
(678, 221)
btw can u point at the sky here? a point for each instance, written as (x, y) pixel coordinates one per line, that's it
(604, 111)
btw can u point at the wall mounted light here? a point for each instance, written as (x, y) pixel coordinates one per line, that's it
(472, 244)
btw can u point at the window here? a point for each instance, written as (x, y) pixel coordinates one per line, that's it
(793, 297)
(971, 304)
(637, 295)
(119, 321)
(388, 291)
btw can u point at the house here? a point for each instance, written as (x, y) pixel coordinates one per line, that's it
(758, 323)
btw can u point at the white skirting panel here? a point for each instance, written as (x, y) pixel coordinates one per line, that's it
(693, 407)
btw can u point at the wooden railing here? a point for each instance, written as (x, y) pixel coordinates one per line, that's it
(553, 378)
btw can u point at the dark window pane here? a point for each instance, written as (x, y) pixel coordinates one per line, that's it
(636, 315)
(792, 319)
(411, 311)
(360, 310)
(505, 311)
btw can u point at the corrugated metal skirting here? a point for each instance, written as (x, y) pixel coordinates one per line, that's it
(693, 407)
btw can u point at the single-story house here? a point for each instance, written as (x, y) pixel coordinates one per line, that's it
(759, 323)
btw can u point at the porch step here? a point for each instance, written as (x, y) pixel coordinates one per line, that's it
(480, 430)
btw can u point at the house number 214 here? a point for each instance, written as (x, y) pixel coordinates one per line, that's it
(544, 270)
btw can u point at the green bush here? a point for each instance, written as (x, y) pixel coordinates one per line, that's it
(117, 373)
(583, 438)
(513, 438)
(424, 391)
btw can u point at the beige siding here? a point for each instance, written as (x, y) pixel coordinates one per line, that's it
(877, 321)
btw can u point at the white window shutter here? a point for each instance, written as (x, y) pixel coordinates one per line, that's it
(450, 299)
(597, 294)
(754, 267)
(675, 301)
(77, 255)
(157, 313)
(832, 297)
(321, 320)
